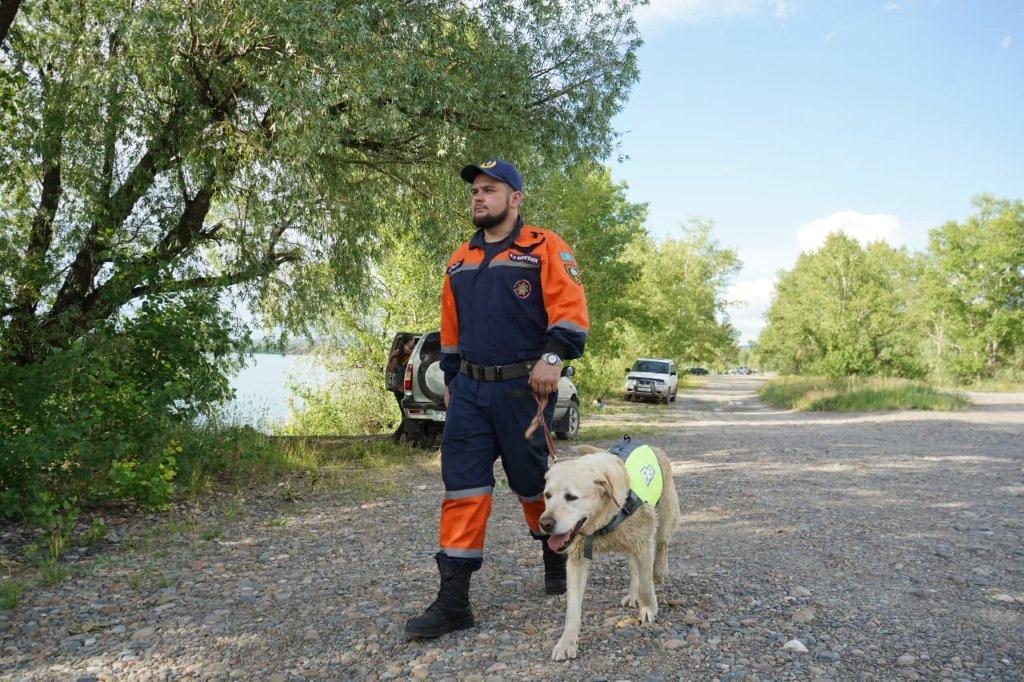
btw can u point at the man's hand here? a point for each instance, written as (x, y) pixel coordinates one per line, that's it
(544, 377)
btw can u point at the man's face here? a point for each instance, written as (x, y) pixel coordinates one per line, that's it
(492, 200)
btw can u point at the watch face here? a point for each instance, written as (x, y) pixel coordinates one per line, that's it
(552, 359)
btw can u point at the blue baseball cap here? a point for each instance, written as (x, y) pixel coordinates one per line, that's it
(497, 169)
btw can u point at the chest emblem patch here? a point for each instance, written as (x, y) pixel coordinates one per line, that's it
(523, 289)
(573, 272)
(455, 266)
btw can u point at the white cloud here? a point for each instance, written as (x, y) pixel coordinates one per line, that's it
(1006, 41)
(831, 36)
(659, 13)
(865, 228)
(891, 7)
(748, 302)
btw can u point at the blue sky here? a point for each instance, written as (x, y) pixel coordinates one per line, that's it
(783, 120)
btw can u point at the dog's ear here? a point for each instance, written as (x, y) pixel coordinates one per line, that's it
(608, 488)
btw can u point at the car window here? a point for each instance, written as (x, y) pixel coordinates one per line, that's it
(650, 366)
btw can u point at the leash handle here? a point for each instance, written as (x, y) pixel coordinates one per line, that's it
(539, 421)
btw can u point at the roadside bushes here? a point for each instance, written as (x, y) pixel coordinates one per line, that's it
(96, 422)
(854, 394)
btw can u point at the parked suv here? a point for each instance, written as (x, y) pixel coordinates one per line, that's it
(652, 379)
(423, 405)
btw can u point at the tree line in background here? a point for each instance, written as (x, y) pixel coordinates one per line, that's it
(165, 161)
(644, 297)
(953, 313)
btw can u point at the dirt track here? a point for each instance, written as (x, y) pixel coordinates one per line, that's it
(890, 544)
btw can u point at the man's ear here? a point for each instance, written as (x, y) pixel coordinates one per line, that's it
(608, 488)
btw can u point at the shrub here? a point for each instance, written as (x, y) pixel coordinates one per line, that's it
(96, 422)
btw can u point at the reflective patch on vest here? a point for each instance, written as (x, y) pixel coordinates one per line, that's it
(645, 477)
(523, 289)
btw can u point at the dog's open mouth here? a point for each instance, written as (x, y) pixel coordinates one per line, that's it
(558, 543)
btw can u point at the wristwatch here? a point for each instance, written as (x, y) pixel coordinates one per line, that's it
(552, 358)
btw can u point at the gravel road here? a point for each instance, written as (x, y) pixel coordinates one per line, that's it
(882, 546)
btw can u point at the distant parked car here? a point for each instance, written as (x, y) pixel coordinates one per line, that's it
(423, 407)
(652, 379)
(697, 370)
(741, 370)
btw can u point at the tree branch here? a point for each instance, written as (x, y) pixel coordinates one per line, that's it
(8, 10)
(261, 269)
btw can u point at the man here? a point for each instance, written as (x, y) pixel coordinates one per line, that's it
(512, 310)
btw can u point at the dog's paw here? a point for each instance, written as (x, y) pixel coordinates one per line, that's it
(647, 614)
(659, 578)
(630, 600)
(563, 651)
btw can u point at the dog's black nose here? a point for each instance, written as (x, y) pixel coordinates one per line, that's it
(547, 525)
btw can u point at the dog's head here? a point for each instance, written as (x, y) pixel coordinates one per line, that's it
(582, 495)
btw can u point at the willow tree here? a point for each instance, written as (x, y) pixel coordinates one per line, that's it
(163, 160)
(154, 148)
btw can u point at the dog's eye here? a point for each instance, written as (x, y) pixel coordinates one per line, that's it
(547, 496)
(569, 497)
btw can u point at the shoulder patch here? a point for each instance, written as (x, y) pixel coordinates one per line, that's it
(574, 273)
(566, 256)
(524, 258)
(454, 266)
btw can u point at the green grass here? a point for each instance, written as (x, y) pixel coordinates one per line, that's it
(856, 394)
(609, 431)
(10, 592)
(987, 385)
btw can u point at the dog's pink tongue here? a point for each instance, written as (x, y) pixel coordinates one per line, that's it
(555, 542)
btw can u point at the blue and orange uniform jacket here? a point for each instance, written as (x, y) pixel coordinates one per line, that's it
(525, 301)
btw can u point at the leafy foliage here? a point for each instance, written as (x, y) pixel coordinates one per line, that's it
(843, 310)
(952, 313)
(972, 303)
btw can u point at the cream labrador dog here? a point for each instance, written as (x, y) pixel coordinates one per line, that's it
(582, 496)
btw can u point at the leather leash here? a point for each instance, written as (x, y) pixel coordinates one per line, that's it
(538, 420)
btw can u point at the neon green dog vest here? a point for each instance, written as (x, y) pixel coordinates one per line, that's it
(645, 478)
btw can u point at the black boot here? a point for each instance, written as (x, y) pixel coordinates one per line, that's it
(554, 570)
(450, 611)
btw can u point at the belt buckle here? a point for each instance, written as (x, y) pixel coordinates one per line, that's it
(497, 373)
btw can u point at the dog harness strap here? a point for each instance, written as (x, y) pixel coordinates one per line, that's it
(633, 502)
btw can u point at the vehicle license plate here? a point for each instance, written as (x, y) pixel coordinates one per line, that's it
(643, 389)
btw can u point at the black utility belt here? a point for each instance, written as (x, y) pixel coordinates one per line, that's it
(496, 373)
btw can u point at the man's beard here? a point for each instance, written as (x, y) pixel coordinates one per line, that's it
(488, 221)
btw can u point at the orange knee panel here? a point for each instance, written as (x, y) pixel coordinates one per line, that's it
(532, 511)
(463, 522)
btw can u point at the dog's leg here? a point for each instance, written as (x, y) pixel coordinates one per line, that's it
(646, 597)
(661, 562)
(634, 582)
(576, 572)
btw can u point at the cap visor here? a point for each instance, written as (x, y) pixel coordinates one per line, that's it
(470, 172)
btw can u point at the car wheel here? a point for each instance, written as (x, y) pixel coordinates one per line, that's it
(673, 398)
(571, 421)
(427, 438)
